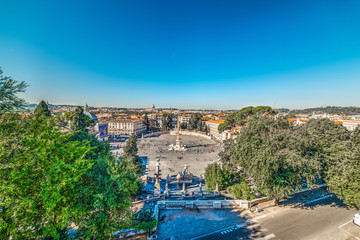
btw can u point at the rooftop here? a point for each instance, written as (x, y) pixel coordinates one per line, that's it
(216, 121)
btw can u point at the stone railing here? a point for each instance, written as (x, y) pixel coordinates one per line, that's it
(210, 204)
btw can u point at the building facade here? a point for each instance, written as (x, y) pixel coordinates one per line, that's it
(351, 124)
(126, 126)
(213, 128)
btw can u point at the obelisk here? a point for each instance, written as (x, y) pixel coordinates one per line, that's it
(178, 133)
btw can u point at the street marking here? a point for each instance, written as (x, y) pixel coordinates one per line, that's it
(345, 224)
(349, 233)
(340, 227)
(222, 231)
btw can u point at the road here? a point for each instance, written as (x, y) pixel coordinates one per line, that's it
(230, 233)
(316, 220)
(311, 216)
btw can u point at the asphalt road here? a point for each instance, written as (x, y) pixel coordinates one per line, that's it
(230, 233)
(316, 220)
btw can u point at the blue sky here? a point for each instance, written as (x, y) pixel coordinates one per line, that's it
(185, 54)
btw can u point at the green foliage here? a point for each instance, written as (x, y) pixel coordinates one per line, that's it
(130, 151)
(242, 191)
(183, 126)
(339, 153)
(78, 120)
(51, 180)
(147, 122)
(225, 125)
(228, 154)
(154, 124)
(167, 122)
(268, 150)
(244, 115)
(8, 90)
(42, 109)
(130, 148)
(196, 123)
(75, 120)
(277, 156)
(215, 175)
(145, 221)
(328, 110)
(342, 175)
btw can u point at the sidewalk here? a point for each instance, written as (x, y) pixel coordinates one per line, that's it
(300, 199)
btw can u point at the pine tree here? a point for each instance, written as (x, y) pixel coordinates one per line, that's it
(42, 109)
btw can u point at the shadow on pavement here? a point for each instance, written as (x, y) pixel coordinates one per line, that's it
(313, 199)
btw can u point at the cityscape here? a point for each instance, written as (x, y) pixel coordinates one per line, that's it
(177, 120)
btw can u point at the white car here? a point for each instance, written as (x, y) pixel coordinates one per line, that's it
(356, 219)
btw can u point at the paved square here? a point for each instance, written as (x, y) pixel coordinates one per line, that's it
(189, 223)
(201, 152)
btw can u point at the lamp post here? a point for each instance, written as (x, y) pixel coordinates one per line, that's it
(251, 193)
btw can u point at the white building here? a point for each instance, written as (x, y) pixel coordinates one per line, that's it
(126, 126)
(185, 119)
(213, 128)
(351, 124)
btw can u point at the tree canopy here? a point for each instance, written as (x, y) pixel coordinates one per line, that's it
(167, 121)
(244, 115)
(42, 109)
(54, 180)
(279, 158)
(9, 88)
(51, 181)
(75, 120)
(196, 123)
(130, 153)
(269, 154)
(215, 175)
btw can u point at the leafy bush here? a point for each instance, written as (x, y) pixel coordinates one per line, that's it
(242, 191)
(214, 174)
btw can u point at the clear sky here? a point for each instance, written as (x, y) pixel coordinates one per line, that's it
(184, 53)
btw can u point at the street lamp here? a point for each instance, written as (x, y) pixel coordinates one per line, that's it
(251, 193)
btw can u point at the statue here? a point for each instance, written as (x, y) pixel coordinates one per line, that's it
(185, 175)
(157, 174)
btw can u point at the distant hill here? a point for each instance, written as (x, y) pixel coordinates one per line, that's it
(328, 110)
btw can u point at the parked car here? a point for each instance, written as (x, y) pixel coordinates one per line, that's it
(356, 219)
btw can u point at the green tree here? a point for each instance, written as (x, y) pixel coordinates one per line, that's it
(271, 154)
(145, 221)
(215, 175)
(75, 120)
(167, 121)
(130, 148)
(242, 191)
(338, 151)
(154, 123)
(130, 153)
(51, 183)
(243, 116)
(183, 126)
(78, 120)
(147, 122)
(42, 109)
(196, 123)
(8, 90)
